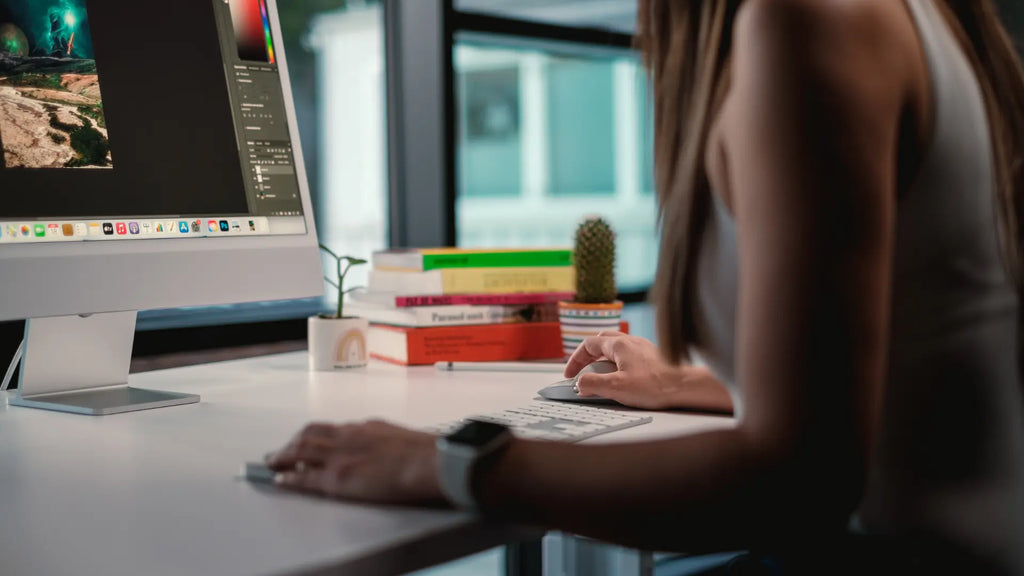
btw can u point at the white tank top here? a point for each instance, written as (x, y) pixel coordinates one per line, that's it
(949, 464)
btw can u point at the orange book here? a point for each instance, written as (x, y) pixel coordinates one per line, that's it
(482, 343)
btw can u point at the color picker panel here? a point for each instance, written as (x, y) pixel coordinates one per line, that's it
(252, 30)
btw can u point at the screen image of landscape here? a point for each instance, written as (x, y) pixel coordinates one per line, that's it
(51, 111)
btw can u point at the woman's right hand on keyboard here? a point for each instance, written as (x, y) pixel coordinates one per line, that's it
(644, 379)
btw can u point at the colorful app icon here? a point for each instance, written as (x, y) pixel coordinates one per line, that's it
(212, 226)
(53, 229)
(159, 227)
(224, 226)
(26, 230)
(39, 230)
(108, 228)
(133, 227)
(169, 226)
(95, 229)
(67, 229)
(252, 225)
(183, 227)
(81, 229)
(197, 225)
(12, 230)
(121, 228)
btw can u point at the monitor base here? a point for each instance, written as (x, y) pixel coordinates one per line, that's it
(103, 401)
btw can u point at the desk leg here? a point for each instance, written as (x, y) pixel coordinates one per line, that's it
(568, 555)
(524, 558)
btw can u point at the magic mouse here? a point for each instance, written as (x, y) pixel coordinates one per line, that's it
(564, 390)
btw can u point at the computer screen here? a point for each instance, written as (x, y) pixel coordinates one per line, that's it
(124, 121)
(149, 160)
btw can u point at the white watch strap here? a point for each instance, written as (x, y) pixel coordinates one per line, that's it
(454, 470)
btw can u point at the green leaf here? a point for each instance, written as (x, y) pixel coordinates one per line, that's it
(329, 251)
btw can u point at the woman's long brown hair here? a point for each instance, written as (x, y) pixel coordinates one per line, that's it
(686, 49)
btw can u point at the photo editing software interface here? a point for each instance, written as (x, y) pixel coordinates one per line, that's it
(117, 129)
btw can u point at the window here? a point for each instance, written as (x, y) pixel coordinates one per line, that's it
(547, 137)
(350, 148)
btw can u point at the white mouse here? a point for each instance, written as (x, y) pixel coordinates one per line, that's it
(598, 367)
(565, 390)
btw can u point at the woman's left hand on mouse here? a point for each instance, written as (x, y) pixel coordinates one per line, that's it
(372, 461)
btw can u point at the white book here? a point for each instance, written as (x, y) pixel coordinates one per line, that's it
(434, 316)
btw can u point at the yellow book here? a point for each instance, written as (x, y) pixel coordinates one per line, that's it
(474, 281)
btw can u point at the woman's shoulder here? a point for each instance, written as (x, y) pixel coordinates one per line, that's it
(823, 29)
(864, 50)
(818, 12)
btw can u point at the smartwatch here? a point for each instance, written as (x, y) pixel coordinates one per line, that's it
(459, 453)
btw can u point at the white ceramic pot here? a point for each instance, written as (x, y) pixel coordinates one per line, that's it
(337, 342)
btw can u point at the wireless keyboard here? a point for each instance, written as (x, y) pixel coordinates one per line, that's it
(554, 421)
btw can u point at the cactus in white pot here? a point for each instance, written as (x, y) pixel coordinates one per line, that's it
(595, 308)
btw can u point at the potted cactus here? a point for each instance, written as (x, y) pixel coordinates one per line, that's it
(336, 340)
(595, 308)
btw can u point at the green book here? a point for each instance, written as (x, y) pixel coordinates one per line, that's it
(423, 259)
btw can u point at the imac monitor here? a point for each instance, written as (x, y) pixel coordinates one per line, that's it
(148, 162)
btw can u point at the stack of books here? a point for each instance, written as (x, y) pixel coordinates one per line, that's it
(464, 305)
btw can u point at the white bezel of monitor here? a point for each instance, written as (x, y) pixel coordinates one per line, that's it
(66, 278)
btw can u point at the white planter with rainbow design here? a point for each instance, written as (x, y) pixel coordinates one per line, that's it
(337, 342)
(580, 321)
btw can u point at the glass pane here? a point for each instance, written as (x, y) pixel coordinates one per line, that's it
(646, 120)
(335, 58)
(581, 127)
(347, 49)
(489, 137)
(546, 139)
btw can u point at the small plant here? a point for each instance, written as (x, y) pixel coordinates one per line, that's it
(339, 284)
(595, 262)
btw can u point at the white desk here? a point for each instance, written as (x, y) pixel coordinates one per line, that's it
(156, 492)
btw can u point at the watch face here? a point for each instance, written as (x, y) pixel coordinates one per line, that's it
(476, 433)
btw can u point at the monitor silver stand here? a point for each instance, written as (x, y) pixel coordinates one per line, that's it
(79, 364)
